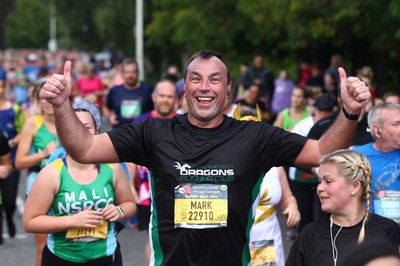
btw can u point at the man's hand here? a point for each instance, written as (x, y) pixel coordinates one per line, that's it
(354, 93)
(58, 88)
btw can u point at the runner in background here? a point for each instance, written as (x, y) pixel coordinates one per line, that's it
(297, 111)
(5, 169)
(303, 182)
(164, 98)
(91, 86)
(266, 247)
(38, 140)
(78, 205)
(127, 101)
(11, 121)
(384, 156)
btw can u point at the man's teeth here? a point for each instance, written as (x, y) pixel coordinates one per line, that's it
(204, 98)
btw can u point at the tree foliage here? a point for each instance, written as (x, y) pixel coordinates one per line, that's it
(26, 27)
(365, 32)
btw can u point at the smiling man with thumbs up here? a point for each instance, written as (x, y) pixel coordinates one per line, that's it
(228, 157)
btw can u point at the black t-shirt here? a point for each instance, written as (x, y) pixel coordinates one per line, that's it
(4, 148)
(361, 137)
(235, 155)
(313, 246)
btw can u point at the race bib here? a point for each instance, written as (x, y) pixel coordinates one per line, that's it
(131, 108)
(263, 253)
(88, 234)
(200, 206)
(387, 204)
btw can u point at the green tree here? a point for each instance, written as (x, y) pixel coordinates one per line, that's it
(82, 29)
(115, 21)
(26, 26)
(364, 32)
(7, 6)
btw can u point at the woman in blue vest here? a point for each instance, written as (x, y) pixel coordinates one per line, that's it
(11, 121)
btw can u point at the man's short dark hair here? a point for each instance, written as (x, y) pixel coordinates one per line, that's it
(207, 54)
(129, 61)
(390, 93)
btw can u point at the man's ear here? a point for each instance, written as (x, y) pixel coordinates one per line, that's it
(376, 131)
(153, 96)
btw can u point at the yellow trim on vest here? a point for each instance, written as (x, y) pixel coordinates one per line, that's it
(267, 212)
(264, 207)
(38, 121)
(58, 164)
(111, 165)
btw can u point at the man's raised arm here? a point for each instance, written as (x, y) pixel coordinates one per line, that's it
(74, 136)
(355, 96)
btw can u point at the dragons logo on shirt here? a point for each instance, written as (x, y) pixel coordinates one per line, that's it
(182, 168)
(206, 172)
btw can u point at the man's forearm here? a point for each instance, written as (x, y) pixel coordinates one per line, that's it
(73, 135)
(339, 136)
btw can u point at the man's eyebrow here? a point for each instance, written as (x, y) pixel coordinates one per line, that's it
(194, 73)
(211, 75)
(215, 74)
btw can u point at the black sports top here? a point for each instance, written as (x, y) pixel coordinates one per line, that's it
(204, 183)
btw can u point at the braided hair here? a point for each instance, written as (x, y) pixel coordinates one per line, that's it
(355, 167)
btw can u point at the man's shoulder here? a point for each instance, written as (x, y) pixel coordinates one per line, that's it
(364, 148)
(142, 117)
(117, 88)
(145, 85)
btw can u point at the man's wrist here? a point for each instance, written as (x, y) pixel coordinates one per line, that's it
(350, 116)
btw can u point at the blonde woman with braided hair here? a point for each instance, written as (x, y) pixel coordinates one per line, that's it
(344, 191)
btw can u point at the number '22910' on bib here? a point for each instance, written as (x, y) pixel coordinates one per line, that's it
(201, 206)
